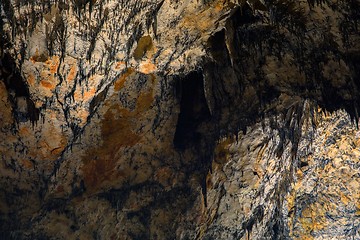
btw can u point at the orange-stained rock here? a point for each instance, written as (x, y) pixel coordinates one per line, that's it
(118, 126)
(83, 114)
(24, 130)
(31, 79)
(100, 163)
(47, 84)
(27, 164)
(119, 64)
(56, 151)
(119, 83)
(47, 136)
(53, 64)
(84, 96)
(72, 73)
(89, 94)
(147, 67)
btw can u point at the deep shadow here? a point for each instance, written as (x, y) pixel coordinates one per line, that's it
(17, 87)
(193, 111)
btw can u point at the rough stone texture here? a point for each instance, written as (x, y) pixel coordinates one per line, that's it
(222, 119)
(253, 194)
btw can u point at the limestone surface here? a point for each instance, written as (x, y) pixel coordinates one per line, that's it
(168, 119)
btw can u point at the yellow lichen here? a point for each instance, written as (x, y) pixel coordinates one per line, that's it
(144, 44)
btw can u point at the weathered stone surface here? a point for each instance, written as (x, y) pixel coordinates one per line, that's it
(253, 194)
(169, 119)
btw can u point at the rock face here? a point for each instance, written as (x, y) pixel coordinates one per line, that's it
(167, 119)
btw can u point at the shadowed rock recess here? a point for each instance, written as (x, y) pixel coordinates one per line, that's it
(168, 119)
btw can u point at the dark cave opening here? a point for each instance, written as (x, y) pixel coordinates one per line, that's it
(193, 111)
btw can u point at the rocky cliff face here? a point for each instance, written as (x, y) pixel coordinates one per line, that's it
(222, 119)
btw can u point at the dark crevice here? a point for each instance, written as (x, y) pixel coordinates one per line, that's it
(193, 111)
(23, 107)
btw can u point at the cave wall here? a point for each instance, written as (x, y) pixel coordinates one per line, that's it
(179, 120)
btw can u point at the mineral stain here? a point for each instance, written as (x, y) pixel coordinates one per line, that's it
(144, 44)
